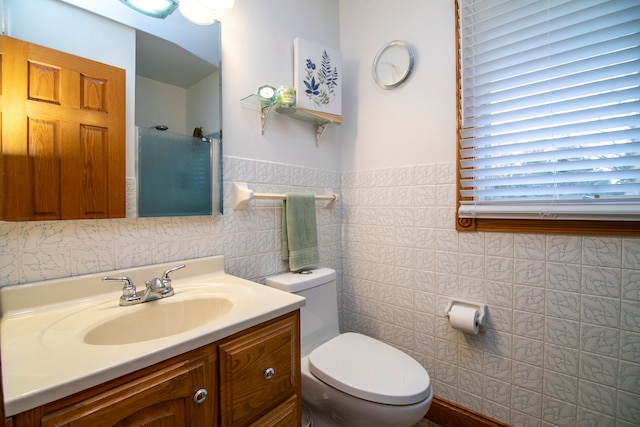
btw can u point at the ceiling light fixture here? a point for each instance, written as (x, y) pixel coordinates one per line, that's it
(155, 8)
(203, 12)
(196, 13)
(217, 4)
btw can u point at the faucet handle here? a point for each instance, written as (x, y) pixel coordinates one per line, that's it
(128, 282)
(165, 276)
(129, 293)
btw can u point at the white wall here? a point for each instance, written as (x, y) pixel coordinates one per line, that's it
(159, 103)
(257, 39)
(174, 27)
(415, 123)
(203, 104)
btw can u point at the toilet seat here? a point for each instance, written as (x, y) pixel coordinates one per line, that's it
(370, 369)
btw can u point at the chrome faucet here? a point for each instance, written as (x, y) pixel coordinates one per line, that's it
(156, 288)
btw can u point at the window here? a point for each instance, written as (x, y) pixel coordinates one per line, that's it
(549, 102)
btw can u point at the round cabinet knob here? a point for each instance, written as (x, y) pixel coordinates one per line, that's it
(269, 373)
(200, 396)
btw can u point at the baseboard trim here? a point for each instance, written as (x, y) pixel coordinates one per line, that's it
(448, 414)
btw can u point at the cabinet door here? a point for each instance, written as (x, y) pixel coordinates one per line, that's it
(285, 415)
(161, 398)
(259, 370)
(63, 135)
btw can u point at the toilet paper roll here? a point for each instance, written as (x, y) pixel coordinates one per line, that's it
(464, 318)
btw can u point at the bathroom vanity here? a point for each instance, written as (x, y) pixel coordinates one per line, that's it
(241, 367)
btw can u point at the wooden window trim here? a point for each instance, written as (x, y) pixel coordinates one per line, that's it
(629, 228)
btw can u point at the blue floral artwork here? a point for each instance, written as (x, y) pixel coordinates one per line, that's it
(318, 77)
(323, 90)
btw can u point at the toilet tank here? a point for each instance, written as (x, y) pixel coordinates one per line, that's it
(319, 316)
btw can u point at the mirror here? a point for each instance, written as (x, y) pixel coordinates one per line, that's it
(168, 55)
(178, 121)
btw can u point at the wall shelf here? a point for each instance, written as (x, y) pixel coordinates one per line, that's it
(320, 120)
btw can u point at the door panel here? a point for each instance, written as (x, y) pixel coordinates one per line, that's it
(63, 139)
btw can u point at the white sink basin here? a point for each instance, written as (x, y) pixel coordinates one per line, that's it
(158, 319)
(194, 308)
(65, 335)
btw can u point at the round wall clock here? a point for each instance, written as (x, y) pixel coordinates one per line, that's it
(393, 64)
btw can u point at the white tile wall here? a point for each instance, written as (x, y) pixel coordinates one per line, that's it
(34, 251)
(562, 343)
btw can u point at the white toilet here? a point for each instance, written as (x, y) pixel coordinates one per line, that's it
(350, 379)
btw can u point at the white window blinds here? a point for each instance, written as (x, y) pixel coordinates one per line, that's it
(550, 109)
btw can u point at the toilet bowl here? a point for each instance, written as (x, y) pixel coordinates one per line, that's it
(351, 379)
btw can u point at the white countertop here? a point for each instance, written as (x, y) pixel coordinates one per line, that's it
(44, 357)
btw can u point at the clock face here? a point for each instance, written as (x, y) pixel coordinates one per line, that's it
(393, 64)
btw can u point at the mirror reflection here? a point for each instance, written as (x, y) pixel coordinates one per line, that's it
(178, 138)
(172, 70)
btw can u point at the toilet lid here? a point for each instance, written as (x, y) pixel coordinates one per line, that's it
(370, 369)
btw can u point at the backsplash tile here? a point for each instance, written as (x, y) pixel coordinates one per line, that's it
(34, 251)
(561, 346)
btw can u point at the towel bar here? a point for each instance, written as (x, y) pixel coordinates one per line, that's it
(242, 195)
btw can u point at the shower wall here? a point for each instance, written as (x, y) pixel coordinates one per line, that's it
(175, 174)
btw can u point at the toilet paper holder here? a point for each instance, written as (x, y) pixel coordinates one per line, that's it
(482, 308)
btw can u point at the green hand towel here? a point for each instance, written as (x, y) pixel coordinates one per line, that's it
(299, 232)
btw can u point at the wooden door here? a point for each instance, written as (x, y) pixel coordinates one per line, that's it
(63, 135)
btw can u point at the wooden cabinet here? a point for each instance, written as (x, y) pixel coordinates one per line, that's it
(167, 393)
(259, 370)
(158, 395)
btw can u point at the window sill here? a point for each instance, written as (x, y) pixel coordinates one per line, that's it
(628, 228)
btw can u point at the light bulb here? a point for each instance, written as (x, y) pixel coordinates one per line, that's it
(194, 12)
(217, 4)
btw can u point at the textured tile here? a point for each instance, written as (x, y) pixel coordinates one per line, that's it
(496, 391)
(45, 264)
(558, 412)
(588, 418)
(564, 305)
(530, 246)
(602, 251)
(562, 341)
(527, 376)
(562, 332)
(631, 284)
(630, 320)
(561, 359)
(629, 407)
(499, 244)
(600, 340)
(527, 402)
(599, 369)
(560, 386)
(564, 277)
(564, 248)
(631, 253)
(527, 298)
(530, 273)
(629, 377)
(530, 325)
(528, 350)
(9, 269)
(601, 281)
(499, 269)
